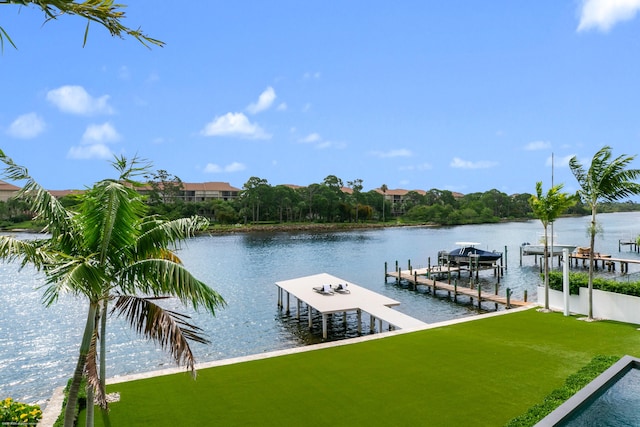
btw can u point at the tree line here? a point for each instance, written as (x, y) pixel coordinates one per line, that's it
(327, 202)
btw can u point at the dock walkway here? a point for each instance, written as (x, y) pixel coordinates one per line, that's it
(607, 261)
(358, 299)
(435, 285)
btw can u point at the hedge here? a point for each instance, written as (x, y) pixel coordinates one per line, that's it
(581, 280)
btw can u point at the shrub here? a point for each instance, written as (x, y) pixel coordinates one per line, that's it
(581, 280)
(82, 401)
(571, 386)
(16, 413)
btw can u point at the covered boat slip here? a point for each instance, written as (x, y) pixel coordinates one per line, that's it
(307, 290)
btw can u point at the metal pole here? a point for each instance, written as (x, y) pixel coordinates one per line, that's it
(565, 280)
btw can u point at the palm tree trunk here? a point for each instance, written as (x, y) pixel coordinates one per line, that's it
(592, 242)
(72, 399)
(103, 360)
(546, 270)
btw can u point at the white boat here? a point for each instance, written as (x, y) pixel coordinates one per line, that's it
(529, 249)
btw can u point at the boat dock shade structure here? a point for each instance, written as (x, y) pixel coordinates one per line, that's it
(328, 294)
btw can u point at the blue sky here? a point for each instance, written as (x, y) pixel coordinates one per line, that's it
(465, 96)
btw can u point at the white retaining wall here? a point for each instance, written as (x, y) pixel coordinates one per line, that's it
(606, 305)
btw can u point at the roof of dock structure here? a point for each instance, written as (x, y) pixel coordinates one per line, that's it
(358, 298)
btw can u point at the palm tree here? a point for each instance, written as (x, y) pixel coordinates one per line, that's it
(606, 180)
(384, 189)
(547, 208)
(108, 250)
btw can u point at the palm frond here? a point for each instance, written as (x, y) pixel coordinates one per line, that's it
(41, 202)
(27, 251)
(91, 372)
(158, 234)
(171, 330)
(163, 277)
(110, 214)
(77, 276)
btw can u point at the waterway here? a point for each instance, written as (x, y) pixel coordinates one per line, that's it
(38, 345)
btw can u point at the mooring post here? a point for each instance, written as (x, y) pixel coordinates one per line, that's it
(506, 257)
(479, 296)
(521, 249)
(455, 290)
(525, 295)
(496, 289)
(415, 280)
(509, 297)
(385, 272)
(409, 264)
(398, 276)
(428, 267)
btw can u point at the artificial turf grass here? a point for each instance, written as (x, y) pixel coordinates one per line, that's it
(476, 373)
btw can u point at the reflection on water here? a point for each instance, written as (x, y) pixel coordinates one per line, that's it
(38, 346)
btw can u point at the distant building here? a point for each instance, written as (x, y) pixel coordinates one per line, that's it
(204, 191)
(7, 191)
(197, 192)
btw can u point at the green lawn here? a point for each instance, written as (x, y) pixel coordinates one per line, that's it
(477, 373)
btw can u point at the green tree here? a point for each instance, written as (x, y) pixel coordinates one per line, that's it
(254, 194)
(104, 12)
(356, 186)
(606, 180)
(547, 208)
(384, 189)
(109, 250)
(165, 187)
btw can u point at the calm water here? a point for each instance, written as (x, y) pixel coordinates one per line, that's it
(38, 346)
(618, 406)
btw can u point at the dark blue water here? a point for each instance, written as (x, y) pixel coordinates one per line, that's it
(38, 345)
(618, 406)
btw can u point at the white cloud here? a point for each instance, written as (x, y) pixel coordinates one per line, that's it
(265, 100)
(124, 73)
(604, 14)
(282, 106)
(234, 124)
(420, 167)
(94, 143)
(232, 167)
(26, 126)
(92, 151)
(312, 137)
(76, 100)
(310, 75)
(320, 143)
(466, 164)
(537, 145)
(559, 162)
(402, 152)
(100, 134)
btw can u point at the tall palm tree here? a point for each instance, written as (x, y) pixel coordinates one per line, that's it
(547, 208)
(108, 250)
(384, 189)
(606, 180)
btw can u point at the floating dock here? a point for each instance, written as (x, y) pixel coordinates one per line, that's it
(358, 299)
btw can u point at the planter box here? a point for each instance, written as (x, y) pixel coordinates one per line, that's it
(606, 305)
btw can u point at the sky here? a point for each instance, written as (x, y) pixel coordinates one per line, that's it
(465, 96)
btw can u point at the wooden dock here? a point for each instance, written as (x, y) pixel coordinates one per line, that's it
(605, 261)
(414, 278)
(633, 244)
